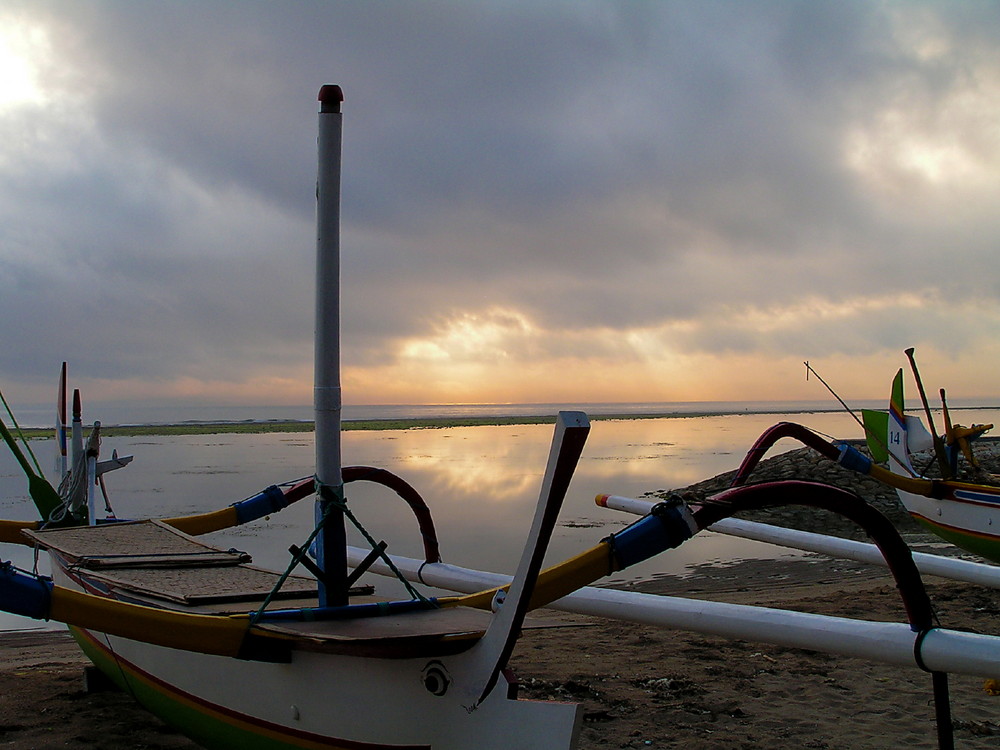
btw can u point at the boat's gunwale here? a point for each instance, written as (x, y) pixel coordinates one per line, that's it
(322, 638)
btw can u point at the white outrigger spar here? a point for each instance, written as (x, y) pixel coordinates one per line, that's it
(892, 643)
(824, 544)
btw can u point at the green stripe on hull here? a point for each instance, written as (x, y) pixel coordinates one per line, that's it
(207, 726)
(984, 546)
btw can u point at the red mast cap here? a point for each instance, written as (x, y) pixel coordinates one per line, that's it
(330, 97)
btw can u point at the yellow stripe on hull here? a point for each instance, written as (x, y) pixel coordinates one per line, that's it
(207, 634)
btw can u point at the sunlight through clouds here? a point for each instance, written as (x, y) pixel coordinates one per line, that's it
(800, 314)
(957, 150)
(472, 337)
(572, 202)
(943, 138)
(23, 47)
(476, 357)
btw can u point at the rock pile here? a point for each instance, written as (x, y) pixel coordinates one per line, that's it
(807, 464)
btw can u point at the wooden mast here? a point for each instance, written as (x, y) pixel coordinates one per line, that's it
(331, 544)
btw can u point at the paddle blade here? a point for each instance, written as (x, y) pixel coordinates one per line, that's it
(44, 495)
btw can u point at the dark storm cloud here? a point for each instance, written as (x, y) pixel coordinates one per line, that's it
(613, 165)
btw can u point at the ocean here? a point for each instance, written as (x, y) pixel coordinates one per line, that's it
(480, 482)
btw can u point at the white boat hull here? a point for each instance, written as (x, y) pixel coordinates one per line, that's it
(321, 700)
(969, 518)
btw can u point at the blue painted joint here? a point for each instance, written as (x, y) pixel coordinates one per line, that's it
(264, 503)
(24, 594)
(853, 459)
(668, 525)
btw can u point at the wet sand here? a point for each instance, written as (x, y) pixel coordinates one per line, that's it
(643, 686)
(640, 686)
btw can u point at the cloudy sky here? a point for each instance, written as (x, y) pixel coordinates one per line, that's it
(545, 201)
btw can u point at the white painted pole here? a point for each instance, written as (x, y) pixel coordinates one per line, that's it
(91, 478)
(332, 542)
(77, 428)
(883, 642)
(61, 459)
(848, 549)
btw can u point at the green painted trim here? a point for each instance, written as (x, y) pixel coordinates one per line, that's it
(210, 728)
(987, 547)
(45, 497)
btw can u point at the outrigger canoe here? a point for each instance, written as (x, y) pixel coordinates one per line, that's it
(238, 657)
(964, 513)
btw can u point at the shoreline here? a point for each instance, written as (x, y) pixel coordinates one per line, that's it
(409, 423)
(260, 426)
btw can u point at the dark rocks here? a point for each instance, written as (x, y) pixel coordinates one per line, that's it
(806, 464)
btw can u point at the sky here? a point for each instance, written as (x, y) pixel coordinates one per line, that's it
(568, 202)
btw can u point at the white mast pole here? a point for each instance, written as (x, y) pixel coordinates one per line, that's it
(331, 547)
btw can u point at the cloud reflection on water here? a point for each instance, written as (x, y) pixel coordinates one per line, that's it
(481, 484)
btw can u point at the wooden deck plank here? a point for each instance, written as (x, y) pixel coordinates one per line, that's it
(433, 624)
(132, 544)
(206, 585)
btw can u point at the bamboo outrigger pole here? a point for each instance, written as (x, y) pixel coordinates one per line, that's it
(331, 547)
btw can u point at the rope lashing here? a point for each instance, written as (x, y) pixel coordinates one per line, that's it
(296, 559)
(335, 500)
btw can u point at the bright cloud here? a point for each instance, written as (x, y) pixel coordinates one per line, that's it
(23, 47)
(554, 202)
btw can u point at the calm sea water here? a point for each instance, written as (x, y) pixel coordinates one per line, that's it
(481, 484)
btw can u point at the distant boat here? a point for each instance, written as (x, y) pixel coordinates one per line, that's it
(967, 514)
(964, 513)
(238, 657)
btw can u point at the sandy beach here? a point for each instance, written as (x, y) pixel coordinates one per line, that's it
(650, 687)
(640, 686)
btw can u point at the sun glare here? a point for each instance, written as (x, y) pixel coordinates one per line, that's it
(21, 46)
(937, 137)
(471, 337)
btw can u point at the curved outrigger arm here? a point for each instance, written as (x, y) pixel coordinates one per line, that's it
(274, 499)
(842, 453)
(269, 500)
(672, 522)
(234, 635)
